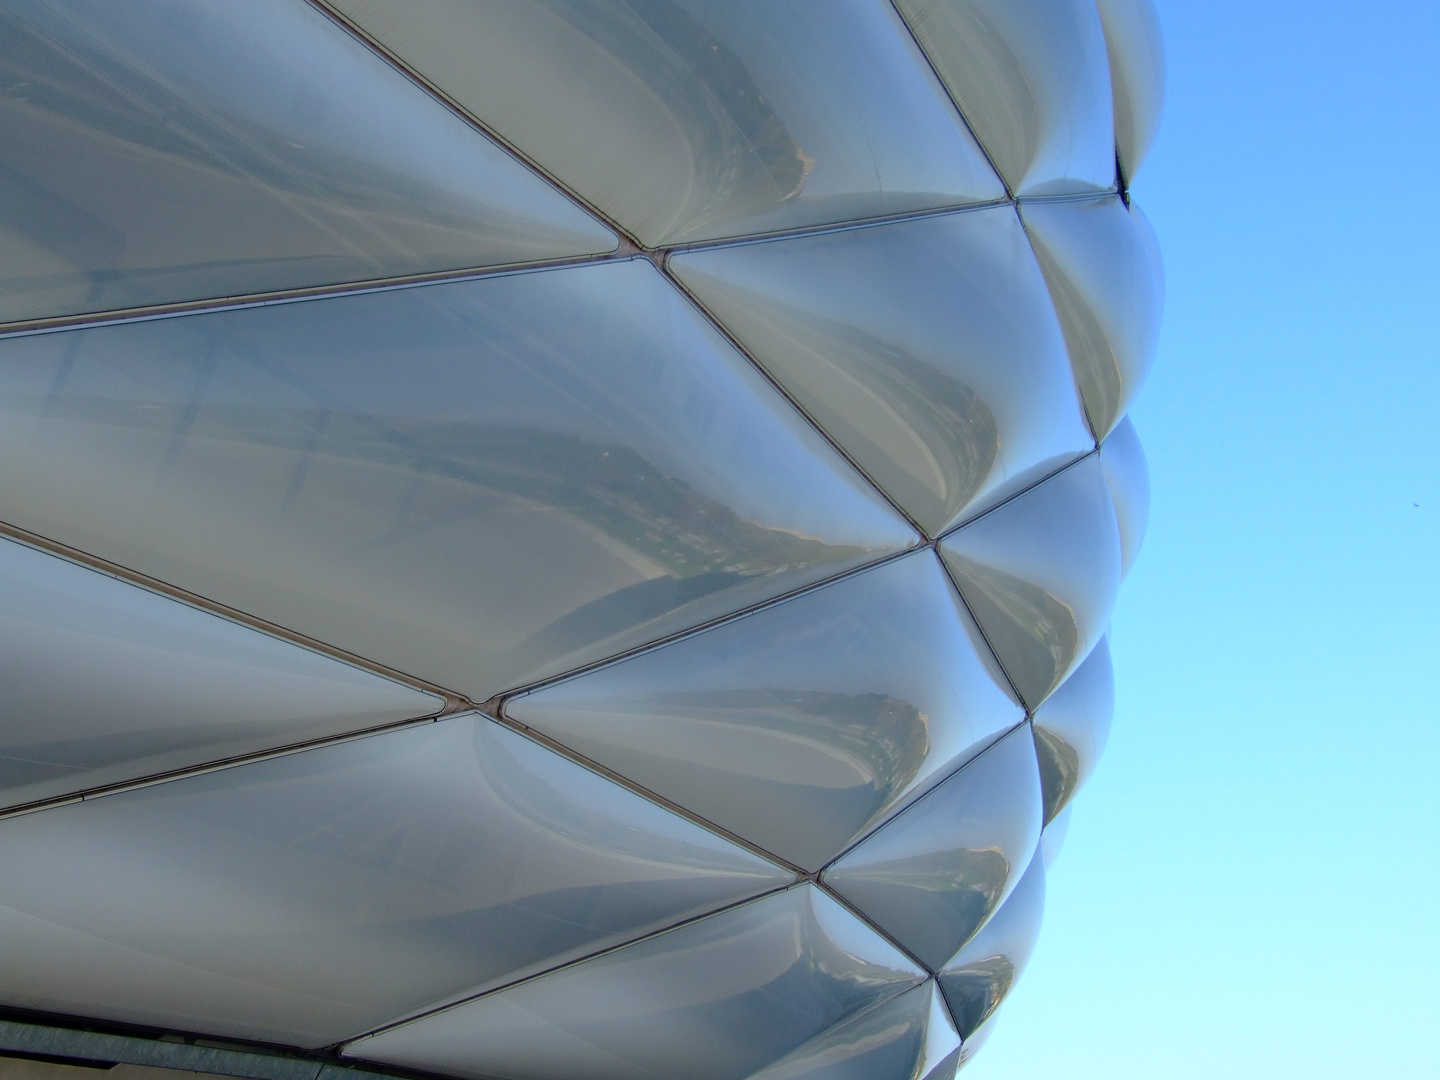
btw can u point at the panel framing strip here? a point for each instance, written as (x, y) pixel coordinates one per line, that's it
(46, 1042)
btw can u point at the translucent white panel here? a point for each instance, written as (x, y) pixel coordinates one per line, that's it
(979, 977)
(1052, 840)
(1137, 76)
(105, 682)
(480, 482)
(1072, 726)
(687, 119)
(1123, 459)
(1032, 78)
(308, 898)
(802, 725)
(932, 876)
(909, 1037)
(243, 148)
(928, 349)
(718, 999)
(1040, 574)
(1103, 266)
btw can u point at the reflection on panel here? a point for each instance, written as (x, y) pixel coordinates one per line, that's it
(308, 898)
(718, 999)
(102, 681)
(1137, 76)
(1103, 266)
(802, 725)
(1072, 726)
(928, 349)
(1032, 78)
(243, 148)
(480, 483)
(932, 876)
(1040, 574)
(686, 119)
(1052, 840)
(909, 1037)
(1123, 459)
(977, 1040)
(979, 977)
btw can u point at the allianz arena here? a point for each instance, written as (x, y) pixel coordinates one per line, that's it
(555, 539)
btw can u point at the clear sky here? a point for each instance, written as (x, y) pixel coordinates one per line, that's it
(1250, 885)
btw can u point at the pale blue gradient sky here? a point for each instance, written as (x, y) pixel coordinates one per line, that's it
(1250, 887)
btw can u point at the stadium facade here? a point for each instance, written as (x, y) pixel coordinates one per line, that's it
(556, 539)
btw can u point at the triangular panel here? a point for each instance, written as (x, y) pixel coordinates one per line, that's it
(1040, 574)
(244, 148)
(932, 876)
(718, 999)
(909, 1037)
(1032, 78)
(1072, 726)
(687, 120)
(1123, 459)
(1103, 265)
(977, 980)
(928, 349)
(802, 725)
(1137, 76)
(482, 483)
(311, 897)
(103, 682)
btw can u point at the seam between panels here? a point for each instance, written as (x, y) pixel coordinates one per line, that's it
(678, 285)
(101, 791)
(453, 702)
(217, 1055)
(149, 312)
(934, 71)
(627, 250)
(823, 228)
(355, 30)
(1111, 192)
(431, 1010)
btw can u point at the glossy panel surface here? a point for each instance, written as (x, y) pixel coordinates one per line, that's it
(1123, 459)
(976, 1042)
(932, 876)
(167, 150)
(928, 349)
(1052, 840)
(1032, 78)
(687, 119)
(1072, 726)
(979, 977)
(800, 726)
(718, 999)
(1040, 575)
(1137, 76)
(909, 1037)
(102, 681)
(481, 483)
(1103, 266)
(311, 897)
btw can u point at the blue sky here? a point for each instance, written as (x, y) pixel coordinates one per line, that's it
(1250, 888)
